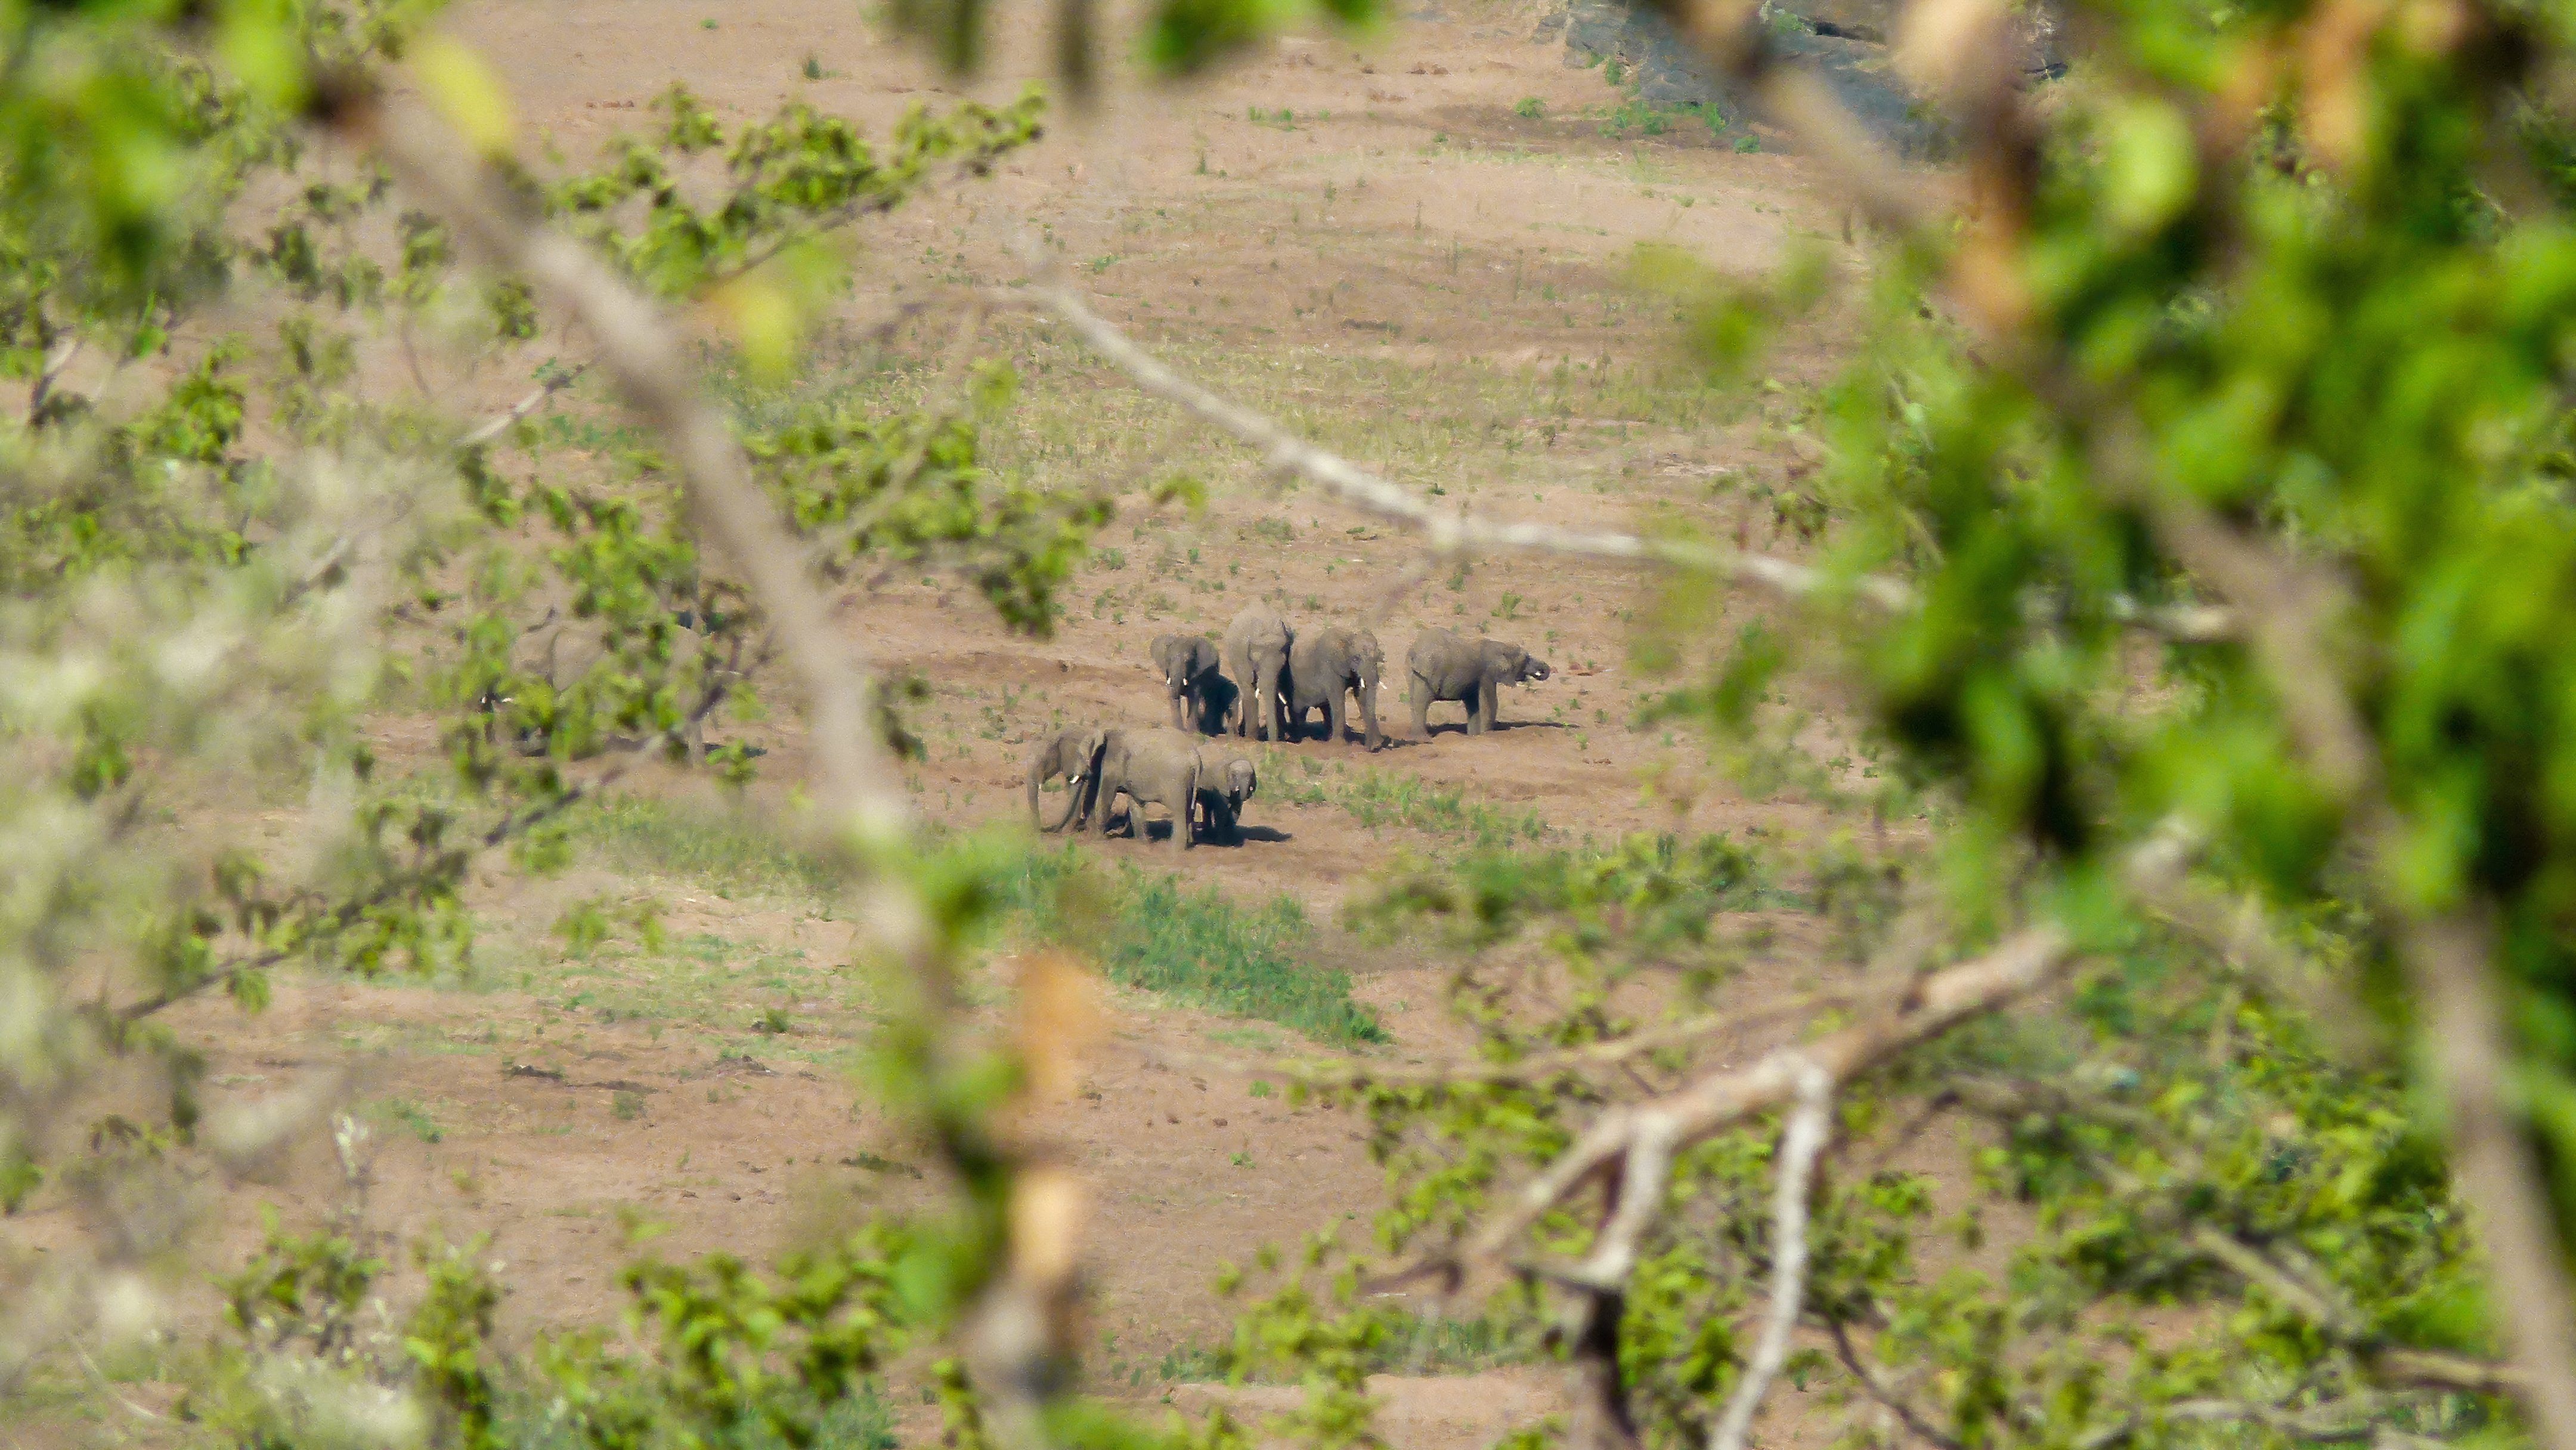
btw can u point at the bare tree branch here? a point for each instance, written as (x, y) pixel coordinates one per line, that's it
(1341, 1073)
(1801, 1138)
(859, 798)
(57, 360)
(500, 423)
(2021, 964)
(1886, 1394)
(1449, 532)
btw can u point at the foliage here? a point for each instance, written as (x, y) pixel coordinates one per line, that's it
(2272, 313)
(2176, 1180)
(228, 557)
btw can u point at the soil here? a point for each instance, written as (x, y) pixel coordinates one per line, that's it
(1412, 217)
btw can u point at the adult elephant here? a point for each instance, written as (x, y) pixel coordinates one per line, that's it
(1447, 666)
(1188, 664)
(1256, 654)
(573, 705)
(1226, 781)
(1149, 767)
(1073, 756)
(1325, 666)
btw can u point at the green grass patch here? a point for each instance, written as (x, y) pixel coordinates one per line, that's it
(731, 853)
(1194, 946)
(1142, 929)
(1377, 798)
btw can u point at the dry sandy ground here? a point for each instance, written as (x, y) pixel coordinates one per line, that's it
(1405, 223)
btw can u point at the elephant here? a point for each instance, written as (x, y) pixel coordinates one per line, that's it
(1226, 781)
(1324, 665)
(1446, 666)
(563, 654)
(1188, 664)
(1256, 654)
(1074, 754)
(1151, 767)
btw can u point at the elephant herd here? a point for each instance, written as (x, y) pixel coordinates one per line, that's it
(1263, 680)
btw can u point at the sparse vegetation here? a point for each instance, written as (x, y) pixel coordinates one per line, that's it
(1380, 798)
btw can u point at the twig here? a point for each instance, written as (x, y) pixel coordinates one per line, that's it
(2339, 1422)
(536, 399)
(1453, 533)
(57, 360)
(2342, 1323)
(1343, 1073)
(1801, 1138)
(1886, 1394)
(1448, 532)
(2023, 963)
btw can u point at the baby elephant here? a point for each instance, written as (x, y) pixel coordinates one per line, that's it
(1226, 781)
(1447, 666)
(1151, 767)
(1187, 663)
(1072, 754)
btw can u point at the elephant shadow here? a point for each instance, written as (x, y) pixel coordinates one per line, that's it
(1459, 727)
(1149, 829)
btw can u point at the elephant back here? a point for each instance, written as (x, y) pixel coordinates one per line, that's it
(1439, 655)
(1258, 628)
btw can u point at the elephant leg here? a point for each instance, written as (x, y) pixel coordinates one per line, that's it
(1189, 791)
(1072, 805)
(1491, 696)
(1104, 796)
(1334, 718)
(1421, 696)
